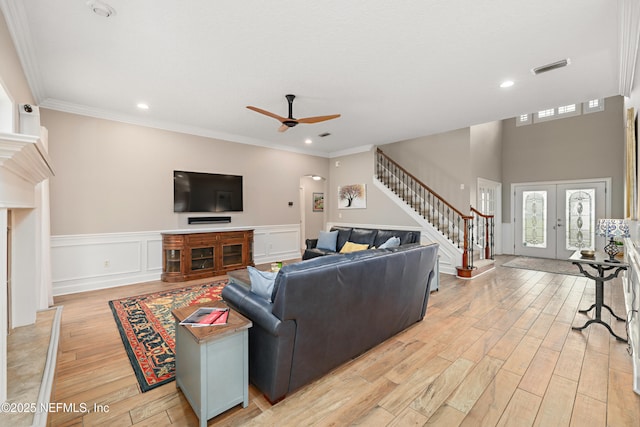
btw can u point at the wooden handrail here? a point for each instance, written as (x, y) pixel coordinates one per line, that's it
(425, 186)
(477, 212)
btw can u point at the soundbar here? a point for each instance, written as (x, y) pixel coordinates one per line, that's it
(209, 219)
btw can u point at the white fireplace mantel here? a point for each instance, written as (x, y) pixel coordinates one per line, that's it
(25, 156)
(24, 169)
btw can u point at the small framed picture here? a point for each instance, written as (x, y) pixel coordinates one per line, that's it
(318, 202)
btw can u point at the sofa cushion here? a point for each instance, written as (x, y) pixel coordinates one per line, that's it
(327, 240)
(406, 236)
(391, 243)
(344, 234)
(353, 247)
(362, 235)
(262, 282)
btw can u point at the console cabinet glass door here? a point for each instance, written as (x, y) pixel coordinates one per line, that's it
(202, 258)
(232, 254)
(173, 260)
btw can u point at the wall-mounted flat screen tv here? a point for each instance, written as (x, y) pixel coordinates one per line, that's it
(206, 192)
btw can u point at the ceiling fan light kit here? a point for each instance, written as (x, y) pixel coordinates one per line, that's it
(290, 121)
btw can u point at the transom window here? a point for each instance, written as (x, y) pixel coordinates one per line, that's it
(560, 112)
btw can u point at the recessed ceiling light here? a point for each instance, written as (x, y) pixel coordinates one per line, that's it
(506, 84)
(316, 178)
(143, 106)
(308, 141)
(100, 8)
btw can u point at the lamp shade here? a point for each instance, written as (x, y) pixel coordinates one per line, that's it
(611, 228)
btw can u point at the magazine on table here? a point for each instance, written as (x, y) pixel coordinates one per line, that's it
(207, 316)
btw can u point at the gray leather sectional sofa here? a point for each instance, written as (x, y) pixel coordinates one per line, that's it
(330, 309)
(370, 236)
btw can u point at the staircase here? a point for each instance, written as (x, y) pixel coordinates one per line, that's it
(467, 238)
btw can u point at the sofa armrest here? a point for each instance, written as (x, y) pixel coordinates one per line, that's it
(252, 306)
(311, 243)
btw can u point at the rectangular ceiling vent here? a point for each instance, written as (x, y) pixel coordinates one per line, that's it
(324, 135)
(550, 67)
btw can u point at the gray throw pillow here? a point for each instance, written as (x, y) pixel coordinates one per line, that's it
(327, 240)
(262, 282)
(393, 242)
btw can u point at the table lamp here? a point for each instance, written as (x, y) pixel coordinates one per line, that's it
(612, 228)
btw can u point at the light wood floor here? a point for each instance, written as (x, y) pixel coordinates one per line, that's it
(494, 351)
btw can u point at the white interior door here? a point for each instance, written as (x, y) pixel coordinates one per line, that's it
(554, 220)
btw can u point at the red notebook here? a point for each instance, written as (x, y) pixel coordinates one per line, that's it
(215, 318)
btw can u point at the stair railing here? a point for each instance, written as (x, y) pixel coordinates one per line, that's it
(485, 228)
(453, 224)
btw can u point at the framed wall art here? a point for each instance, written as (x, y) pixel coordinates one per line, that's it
(352, 196)
(318, 202)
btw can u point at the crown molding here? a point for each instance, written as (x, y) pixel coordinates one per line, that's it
(629, 19)
(17, 23)
(67, 107)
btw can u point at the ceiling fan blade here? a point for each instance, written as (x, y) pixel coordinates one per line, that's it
(266, 113)
(283, 128)
(318, 119)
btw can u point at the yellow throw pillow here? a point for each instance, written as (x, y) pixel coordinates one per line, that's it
(353, 247)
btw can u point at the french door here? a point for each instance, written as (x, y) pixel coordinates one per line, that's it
(554, 220)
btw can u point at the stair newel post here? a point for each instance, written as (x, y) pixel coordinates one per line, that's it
(487, 246)
(465, 251)
(469, 243)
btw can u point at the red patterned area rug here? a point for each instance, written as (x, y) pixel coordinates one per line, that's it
(147, 329)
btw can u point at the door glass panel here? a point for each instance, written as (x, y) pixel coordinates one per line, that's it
(534, 214)
(580, 217)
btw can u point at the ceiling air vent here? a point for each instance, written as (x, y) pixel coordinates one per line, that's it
(323, 135)
(550, 67)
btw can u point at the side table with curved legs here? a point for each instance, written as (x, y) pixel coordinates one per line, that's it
(602, 266)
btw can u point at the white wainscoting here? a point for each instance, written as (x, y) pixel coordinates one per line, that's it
(631, 283)
(96, 261)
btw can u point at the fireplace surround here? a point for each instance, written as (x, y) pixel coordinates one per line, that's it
(24, 200)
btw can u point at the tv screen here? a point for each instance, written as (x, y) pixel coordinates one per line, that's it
(206, 192)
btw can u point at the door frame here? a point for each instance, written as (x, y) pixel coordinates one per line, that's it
(607, 182)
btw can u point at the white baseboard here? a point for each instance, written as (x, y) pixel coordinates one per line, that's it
(89, 262)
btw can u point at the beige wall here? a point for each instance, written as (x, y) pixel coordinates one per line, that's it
(313, 221)
(442, 161)
(12, 76)
(117, 177)
(486, 155)
(359, 169)
(580, 147)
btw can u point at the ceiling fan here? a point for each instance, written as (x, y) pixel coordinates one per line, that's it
(289, 122)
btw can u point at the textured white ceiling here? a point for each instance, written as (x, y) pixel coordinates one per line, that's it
(394, 70)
